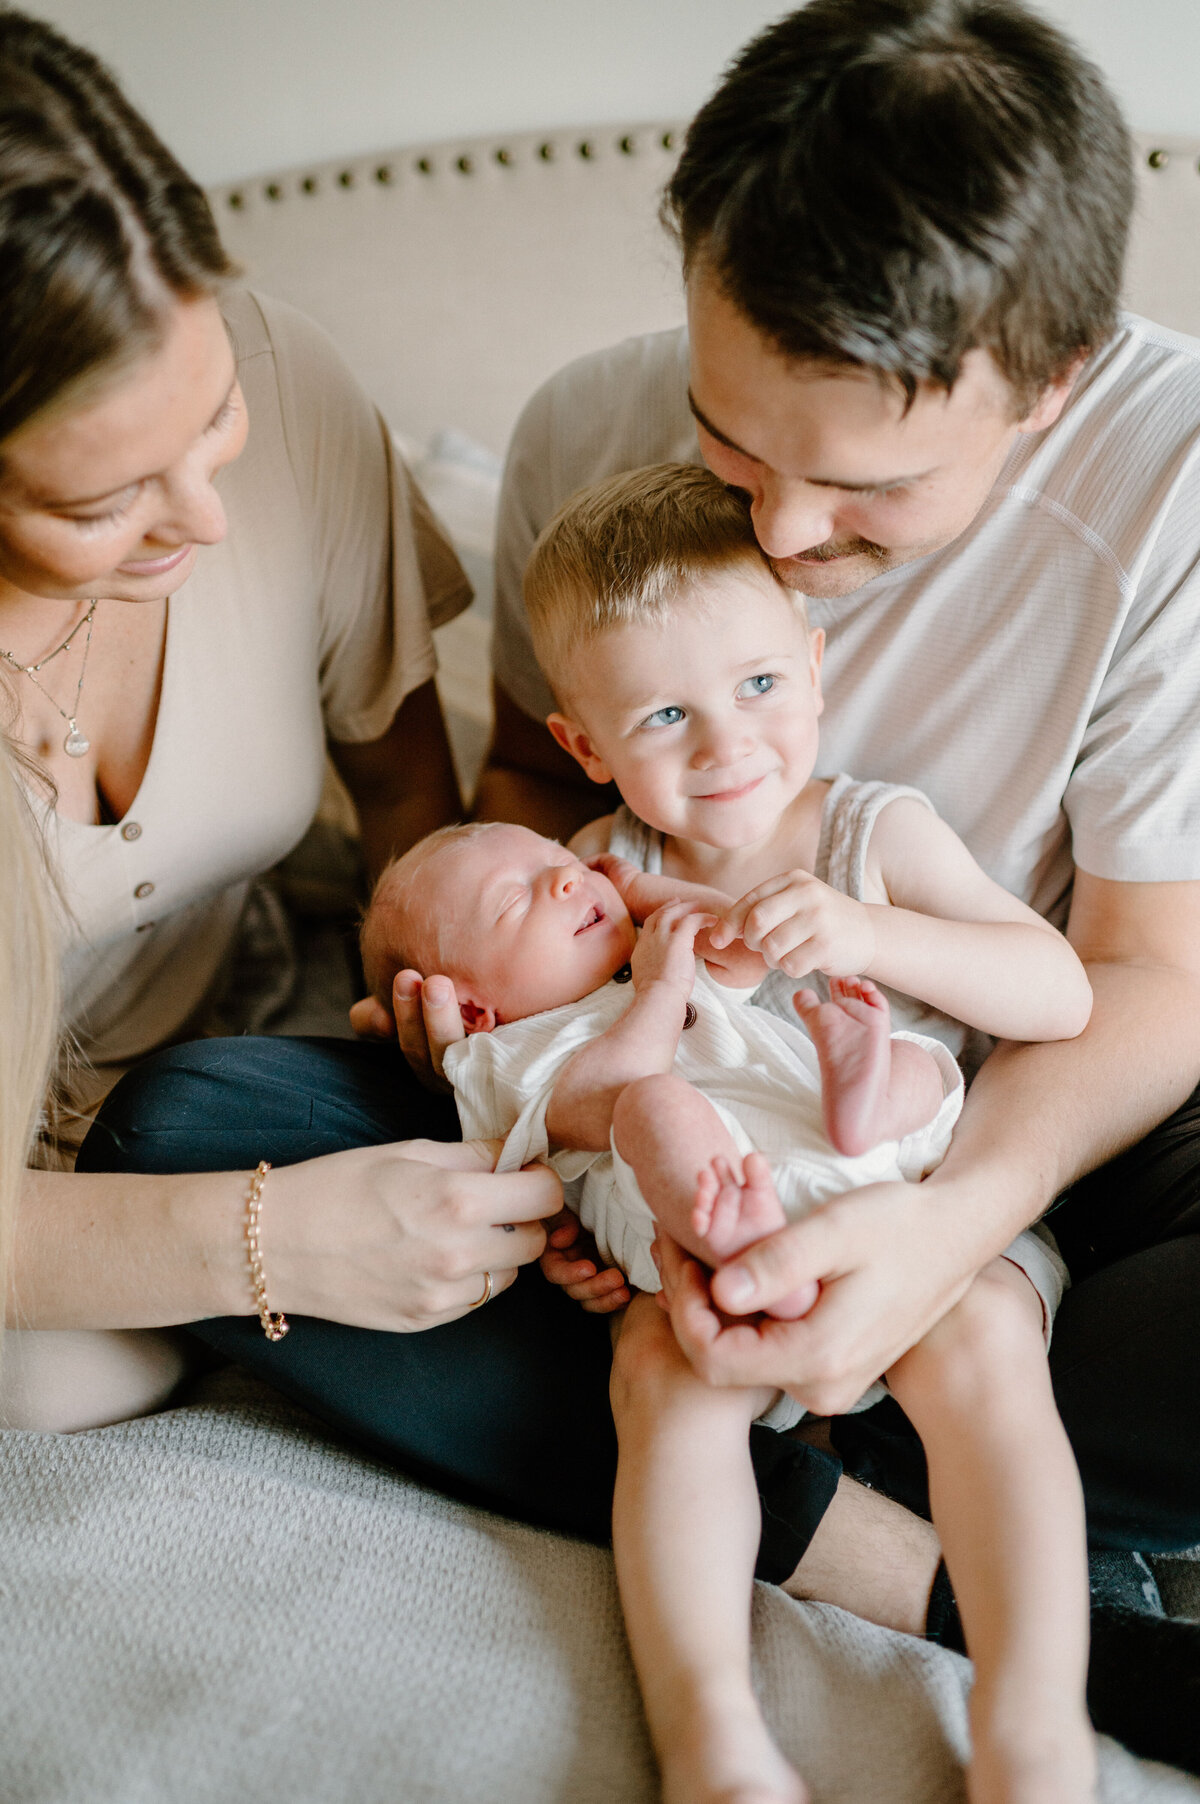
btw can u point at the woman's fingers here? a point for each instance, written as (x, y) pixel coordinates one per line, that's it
(442, 1018)
(371, 1021)
(410, 1027)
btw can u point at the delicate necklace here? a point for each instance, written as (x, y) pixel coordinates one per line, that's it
(75, 745)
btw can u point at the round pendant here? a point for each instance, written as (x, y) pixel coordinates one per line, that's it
(75, 745)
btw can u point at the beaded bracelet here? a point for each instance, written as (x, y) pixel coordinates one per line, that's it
(273, 1326)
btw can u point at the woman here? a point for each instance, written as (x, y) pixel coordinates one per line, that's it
(185, 622)
(210, 567)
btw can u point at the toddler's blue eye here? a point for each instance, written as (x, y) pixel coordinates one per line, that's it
(755, 685)
(664, 717)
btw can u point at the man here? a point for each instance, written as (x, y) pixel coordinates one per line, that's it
(903, 224)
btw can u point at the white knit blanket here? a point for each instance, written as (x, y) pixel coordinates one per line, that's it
(216, 1602)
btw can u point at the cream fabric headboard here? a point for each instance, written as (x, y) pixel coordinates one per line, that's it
(456, 276)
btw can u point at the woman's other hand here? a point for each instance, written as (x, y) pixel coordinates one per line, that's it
(425, 1019)
(572, 1262)
(400, 1237)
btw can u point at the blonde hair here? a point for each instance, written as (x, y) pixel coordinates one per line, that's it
(397, 933)
(29, 995)
(624, 551)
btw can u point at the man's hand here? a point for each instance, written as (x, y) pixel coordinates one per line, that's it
(800, 924)
(666, 949)
(425, 1018)
(874, 1254)
(572, 1262)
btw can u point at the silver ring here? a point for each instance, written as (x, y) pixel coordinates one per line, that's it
(487, 1292)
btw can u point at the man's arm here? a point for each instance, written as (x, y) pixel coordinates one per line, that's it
(529, 779)
(891, 1259)
(403, 784)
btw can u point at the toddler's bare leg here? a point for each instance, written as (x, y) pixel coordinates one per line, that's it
(1008, 1507)
(685, 1535)
(690, 1173)
(873, 1088)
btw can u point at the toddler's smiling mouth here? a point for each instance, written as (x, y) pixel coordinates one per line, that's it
(595, 916)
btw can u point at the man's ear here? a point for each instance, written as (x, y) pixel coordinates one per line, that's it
(1053, 398)
(477, 1017)
(574, 739)
(816, 651)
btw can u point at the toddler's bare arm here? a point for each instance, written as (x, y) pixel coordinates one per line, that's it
(644, 891)
(942, 930)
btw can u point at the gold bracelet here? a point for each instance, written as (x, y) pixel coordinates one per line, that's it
(273, 1326)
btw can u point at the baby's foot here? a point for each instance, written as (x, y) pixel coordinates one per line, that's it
(852, 1035)
(725, 1755)
(731, 1213)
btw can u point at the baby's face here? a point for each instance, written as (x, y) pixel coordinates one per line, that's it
(707, 723)
(533, 928)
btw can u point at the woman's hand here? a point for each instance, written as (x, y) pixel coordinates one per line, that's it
(572, 1262)
(425, 1019)
(399, 1237)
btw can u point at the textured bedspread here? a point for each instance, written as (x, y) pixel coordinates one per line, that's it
(216, 1601)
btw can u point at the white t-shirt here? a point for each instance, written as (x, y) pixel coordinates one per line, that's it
(1038, 678)
(311, 620)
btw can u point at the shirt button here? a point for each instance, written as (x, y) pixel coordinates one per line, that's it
(143, 890)
(131, 830)
(145, 926)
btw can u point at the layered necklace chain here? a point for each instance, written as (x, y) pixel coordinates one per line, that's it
(76, 744)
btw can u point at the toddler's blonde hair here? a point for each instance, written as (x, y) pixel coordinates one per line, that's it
(624, 551)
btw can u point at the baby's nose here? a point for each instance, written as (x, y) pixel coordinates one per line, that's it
(564, 879)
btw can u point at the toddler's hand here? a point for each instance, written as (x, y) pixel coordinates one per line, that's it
(641, 892)
(666, 948)
(800, 924)
(572, 1262)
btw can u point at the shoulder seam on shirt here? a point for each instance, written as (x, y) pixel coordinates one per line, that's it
(1035, 498)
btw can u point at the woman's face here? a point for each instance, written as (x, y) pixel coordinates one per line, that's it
(115, 497)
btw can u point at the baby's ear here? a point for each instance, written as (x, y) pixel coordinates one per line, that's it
(477, 1019)
(574, 739)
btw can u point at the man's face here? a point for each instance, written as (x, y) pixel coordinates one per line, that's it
(843, 482)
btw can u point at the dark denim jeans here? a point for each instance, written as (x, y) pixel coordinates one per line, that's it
(506, 1407)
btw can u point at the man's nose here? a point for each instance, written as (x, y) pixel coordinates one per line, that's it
(791, 517)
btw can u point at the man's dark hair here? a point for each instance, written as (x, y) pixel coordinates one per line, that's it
(888, 183)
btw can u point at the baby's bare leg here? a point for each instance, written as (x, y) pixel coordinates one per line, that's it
(1008, 1507)
(873, 1088)
(685, 1535)
(690, 1173)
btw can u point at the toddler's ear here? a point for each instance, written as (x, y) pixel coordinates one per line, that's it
(574, 739)
(477, 1019)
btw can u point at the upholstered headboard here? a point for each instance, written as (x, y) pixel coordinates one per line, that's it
(455, 276)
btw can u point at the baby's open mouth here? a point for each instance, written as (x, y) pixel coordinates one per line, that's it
(595, 916)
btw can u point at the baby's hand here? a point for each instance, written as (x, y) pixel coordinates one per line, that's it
(666, 948)
(572, 1262)
(800, 925)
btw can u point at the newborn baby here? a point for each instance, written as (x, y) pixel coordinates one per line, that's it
(573, 1025)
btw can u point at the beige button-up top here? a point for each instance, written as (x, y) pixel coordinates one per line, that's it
(311, 620)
